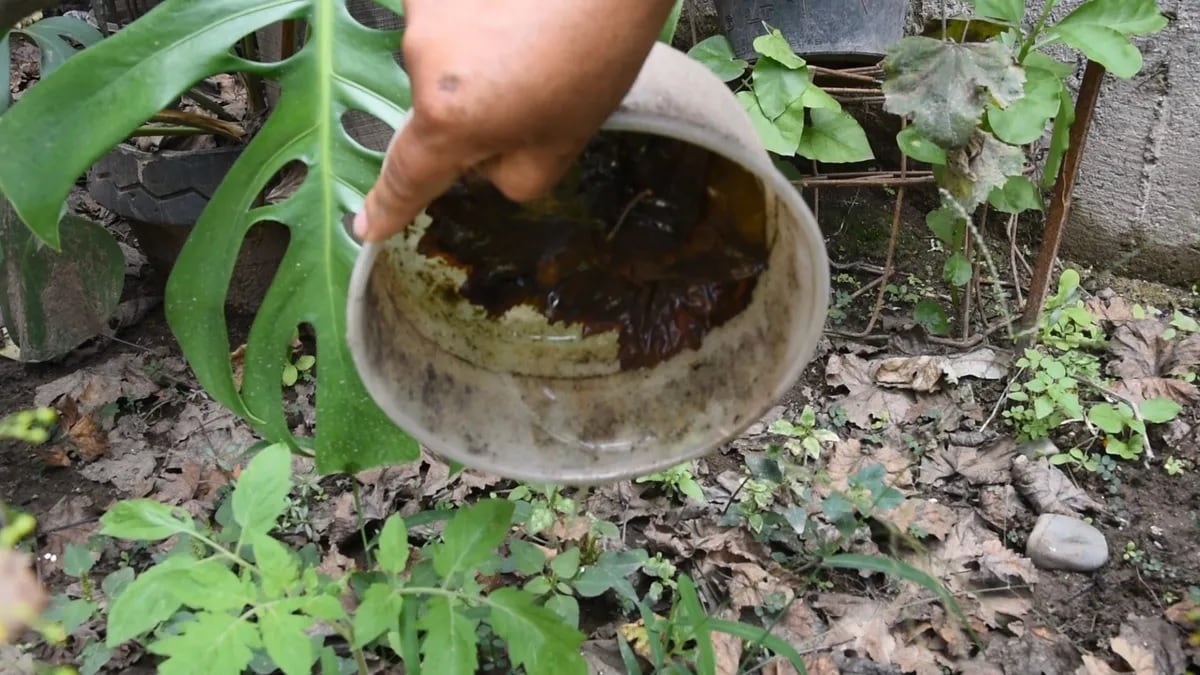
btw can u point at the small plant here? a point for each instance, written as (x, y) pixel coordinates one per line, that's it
(1174, 466)
(678, 480)
(867, 495)
(979, 91)
(805, 439)
(792, 115)
(30, 426)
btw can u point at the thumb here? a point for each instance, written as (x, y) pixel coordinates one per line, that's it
(414, 173)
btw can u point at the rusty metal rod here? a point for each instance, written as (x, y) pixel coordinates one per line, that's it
(1060, 201)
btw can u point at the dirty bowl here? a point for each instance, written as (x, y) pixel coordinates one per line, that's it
(597, 355)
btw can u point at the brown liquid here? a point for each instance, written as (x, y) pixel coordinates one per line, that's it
(655, 238)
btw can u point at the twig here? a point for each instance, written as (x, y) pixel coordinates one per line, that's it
(1060, 203)
(203, 122)
(625, 213)
(846, 75)
(964, 314)
(1012, 256)
(211, 105)
(863, 182)
(975, 340)
(866, 287)
(857, 267)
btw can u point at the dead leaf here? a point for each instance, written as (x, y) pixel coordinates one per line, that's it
(930, 517)
(1150, 646)
(989, 467)
(849, 456)
(237, 359)
(1115, 309)
(728, 650)
(91, 441)
(22, 597)
(799, 625)
(863, 625)
(1049, 489)
(130, 464)
(1183, 614)
(177, 486)
(1005, 564)
(982, 364)
(1038, 650)
(926, 373)
(815, 664)
(71, 520)
(334, 564)
(55, 457)
(603, 657)
(998, 505)
(1094, 666)
(866, 401)
(1148, 364)
(121, 377)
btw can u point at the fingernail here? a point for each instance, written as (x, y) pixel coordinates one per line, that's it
(360, 225)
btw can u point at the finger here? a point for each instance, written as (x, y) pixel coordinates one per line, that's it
(415, 171)
(529, 173)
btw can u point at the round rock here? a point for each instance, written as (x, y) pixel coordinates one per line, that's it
(1061, 542)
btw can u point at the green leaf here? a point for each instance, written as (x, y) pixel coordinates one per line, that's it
(907, 572)
(260, 496)
(140, 70)
(776, 86)
(919, 148)
(116, 583)
(691, 489)
(1159, 410)
(566, 607)
(393, 545)
(611, 571)
(526, 558)
(286, 640)
(1060, 138)
(1100, 30)
(290, 375)
(958, 270)
(211, 643)
(148, 600)
(472, 535)
(538, 585)
(565, 565)
(945, 87)
(93, 658)
(1025, 120)
(71, 614)
(774, 46)
(790, 125)
(536, 637)
(212, 586)
(1107, 418)
(689, 604)
(77, 560)
(672, 23)
(754, 634)
(834, 136)
(716, 53)
(305, 362)
(971, 173)
(930, 314)
(1017, 195)
(144, 520)
(280, 570)
(449, 644)
(324, 607)
(768, 133)
(816, 97)
(49, 32)
(378, 613)
(1011, 11)
(947, 226)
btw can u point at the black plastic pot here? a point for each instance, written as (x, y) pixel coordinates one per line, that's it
(831, 31)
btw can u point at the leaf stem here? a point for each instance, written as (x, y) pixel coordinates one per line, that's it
(1031, 39)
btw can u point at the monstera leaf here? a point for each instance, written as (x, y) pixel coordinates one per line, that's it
(62, 126)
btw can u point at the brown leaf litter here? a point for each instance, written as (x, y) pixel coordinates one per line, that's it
(1149, 366)
(1049, 489)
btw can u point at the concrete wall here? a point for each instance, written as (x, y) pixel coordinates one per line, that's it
(1137, 201)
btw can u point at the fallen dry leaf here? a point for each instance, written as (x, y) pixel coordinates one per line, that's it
(1049, 489)
(1183, 614)
(987, 467)
(70, 521)
(90, 440)
(55, 457)
(865, 401)
(863, 625)
(1005, 564)
(926, 373)
(121, 377)
(22, 597)
(1148, 365)
(851, 455)
(1094, 666)
(728, 650)
(1114, 309)
(933, 518)
(1039, 650)
(998, 505)
(1150, 646)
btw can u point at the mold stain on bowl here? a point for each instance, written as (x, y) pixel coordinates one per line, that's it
(652, 238)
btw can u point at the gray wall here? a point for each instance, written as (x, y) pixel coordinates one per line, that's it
(1137, 201)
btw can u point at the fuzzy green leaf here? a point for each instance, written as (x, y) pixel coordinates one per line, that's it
(777, 86)
(565, 606)
(716, 53)
(211, 643)
(144, 520)
(148, 600)
(526, 558)
(286, 640)
(1011, 11)
(958, 270)
(1100, 30)
(930, 314)
(790, 125)
(610, 571)
(449, 644)
(1017, 195)
(536, 637)
(279, 568)
(945, 87)
(919, 148)
(768, 133)
(214, 588)
(393, 545)
(775, 47)
(565, 565)
(378, 613)
(1159, 410)
(1025, 120)
(260, 496)
(472, 536)
(140, 70)
(834, 136)
(947, 226)
(77, 560)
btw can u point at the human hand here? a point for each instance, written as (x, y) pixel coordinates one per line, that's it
(512, 90)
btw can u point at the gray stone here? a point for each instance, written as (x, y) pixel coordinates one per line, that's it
(1064, 543)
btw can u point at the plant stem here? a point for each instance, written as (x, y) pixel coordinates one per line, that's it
(1031, 39)
(362, 525)
(225, 552)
